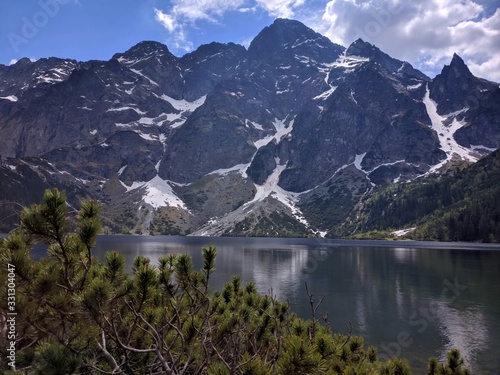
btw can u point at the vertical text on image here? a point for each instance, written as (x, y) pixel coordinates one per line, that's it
(11, 315)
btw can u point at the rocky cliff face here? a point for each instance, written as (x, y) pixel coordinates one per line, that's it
(231, 141)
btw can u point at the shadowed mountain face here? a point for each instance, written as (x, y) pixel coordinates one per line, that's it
(229, 141)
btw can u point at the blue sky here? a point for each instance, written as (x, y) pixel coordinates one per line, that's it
(426, 32)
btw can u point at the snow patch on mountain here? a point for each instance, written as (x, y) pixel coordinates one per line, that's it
(254, 124)
(304, 59)
(11, 98)
(263, 141)
(157, 193)
(349, 63)
(358, 160)
(282, 130)
(353, 98)
(139, 73)
(160, 194)
(120, 171)
(132, 62)
(482, 148)
(414, 87)
(240, 168)
(326, 94)
(184, 105)
(135, 185)
(57, 74)
(147, 137)
(446, 134)
(126, 108)
(402, 232)
(176, 120)
(299, 43)
(387, 165)
(270, 188)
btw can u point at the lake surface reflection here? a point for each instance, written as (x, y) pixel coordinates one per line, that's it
(409, 299)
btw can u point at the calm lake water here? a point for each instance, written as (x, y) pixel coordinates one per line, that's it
(410, 299)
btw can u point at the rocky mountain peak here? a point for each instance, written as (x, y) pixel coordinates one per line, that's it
(24, 61)
(456, 68)
(288, 38)
(367, 50)
(453, 85)
(361, 48)
(208, 65)
(143, 50)
(213, 48)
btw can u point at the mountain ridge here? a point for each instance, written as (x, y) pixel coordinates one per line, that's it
(225, 140)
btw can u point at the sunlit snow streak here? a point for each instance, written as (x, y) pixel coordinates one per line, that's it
(183, 105)
(270, 188)
(139, 72)
(11, 98)
(358, 160)
(326, 94)
(240, 168)
(348, 63)
(157, 193)
(445, 134)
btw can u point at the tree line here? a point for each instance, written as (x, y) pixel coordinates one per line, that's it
(458, 207)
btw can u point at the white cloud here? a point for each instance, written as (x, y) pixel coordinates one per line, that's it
(184, 14)
(166, 20)
(426, 33)
(246, 10)
(280, 8)
(196, 10)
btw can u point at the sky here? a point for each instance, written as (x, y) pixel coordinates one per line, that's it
(425, 33)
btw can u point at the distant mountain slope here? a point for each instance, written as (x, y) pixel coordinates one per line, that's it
(462, 206)
(284, 138)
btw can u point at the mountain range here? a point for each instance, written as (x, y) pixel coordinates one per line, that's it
(288, 137)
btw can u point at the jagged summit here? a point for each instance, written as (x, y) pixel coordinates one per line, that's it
(144, 49)
(457, 67)
(23, 61)
(457, 60)
(360, 48)
(364, 49)
(214, 47)
(459, 93)
(290, 37)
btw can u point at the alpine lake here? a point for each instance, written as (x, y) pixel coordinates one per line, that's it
(410, 299)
